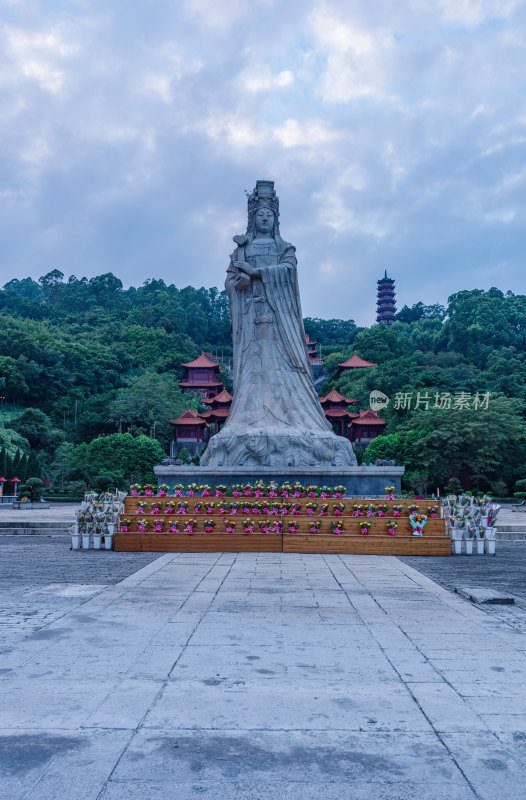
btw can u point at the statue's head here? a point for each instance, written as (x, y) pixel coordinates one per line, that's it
(263, 209)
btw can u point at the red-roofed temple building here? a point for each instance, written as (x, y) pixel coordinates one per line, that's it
(335, 405)
(366, 426)
(354, 362)
(190, 431)
(219, 410)
(202, 376)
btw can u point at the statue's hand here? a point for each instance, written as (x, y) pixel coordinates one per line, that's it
(241, 281)
(245, 267)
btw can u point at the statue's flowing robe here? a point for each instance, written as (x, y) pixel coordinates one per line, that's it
(276, 417)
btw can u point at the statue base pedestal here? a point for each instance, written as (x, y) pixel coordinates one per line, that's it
(363, 481)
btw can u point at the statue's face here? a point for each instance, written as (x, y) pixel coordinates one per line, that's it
(264, 220)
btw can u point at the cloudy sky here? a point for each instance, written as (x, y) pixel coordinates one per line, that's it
(395, 133)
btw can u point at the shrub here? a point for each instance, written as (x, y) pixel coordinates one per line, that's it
(32, 489)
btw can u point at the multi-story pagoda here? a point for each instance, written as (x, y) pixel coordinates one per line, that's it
(335, 405)
(386, 304)
(202, 376)
(219, 409)
(354, 362)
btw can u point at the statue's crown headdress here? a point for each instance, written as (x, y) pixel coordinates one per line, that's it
(264, 195)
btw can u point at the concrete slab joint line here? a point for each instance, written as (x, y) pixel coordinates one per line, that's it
(266, 675)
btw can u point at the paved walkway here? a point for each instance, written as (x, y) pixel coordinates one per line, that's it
(263, 677)
(59, 512)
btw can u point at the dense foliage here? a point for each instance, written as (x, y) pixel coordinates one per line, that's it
(83, 361)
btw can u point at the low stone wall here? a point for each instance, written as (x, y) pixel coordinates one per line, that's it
(359, 481)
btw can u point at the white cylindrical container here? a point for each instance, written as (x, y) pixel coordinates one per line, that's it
(469, 546)
(97, 540)
(75, 541)
(108, 542)
(480, 546)
(85, 541)
(457, 546)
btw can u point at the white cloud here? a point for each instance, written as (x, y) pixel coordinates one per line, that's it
(475, 12)
(40, 56)
(310, 133)
(259, 78)
(355, 57)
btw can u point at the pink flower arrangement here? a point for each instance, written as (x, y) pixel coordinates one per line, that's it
(158, 525)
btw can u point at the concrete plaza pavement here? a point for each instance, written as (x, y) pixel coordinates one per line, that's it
(265, 676)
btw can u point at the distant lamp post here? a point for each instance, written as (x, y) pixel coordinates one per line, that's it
(2, 481)
(15, 481)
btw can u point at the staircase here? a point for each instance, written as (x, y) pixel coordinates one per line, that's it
(36, 528)
(511, 525)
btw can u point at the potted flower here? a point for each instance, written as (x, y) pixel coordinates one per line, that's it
(205, 490)
(230, 526)
(224, 508)
(365, 527)
(324, 510)
(248, 525)
(169, 507)
(413, 509)
(220, 490)
(392, 527)
(175, 526)
(325, 492)
(389, 492)
(370, 510)
(286, 508)
(135, 489)
(264, 526)
(191, 526)
(198, 507)
(149, 489)
(210, 508)
(357, 509)
(433, 511)
(313, 491)
(142, 507)
(292, 526)
(311, 508)
(338, 509)
(397, 511)
(248, 490)
(286, 490)
(209, 525)
(296, 509)
(125, 525)
(479, 540)
(339, 491)
(337, 527)
(315, 525)
(275, 508)
(178, 490)
(142, 524)
(277, 525)
(158, 525)
(417, 522)
(182, 507)
(382, 510)
(157, 508)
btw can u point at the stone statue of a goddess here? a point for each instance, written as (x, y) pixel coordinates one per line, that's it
(276, 418)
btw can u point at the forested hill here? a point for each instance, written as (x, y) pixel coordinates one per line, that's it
(80, 358)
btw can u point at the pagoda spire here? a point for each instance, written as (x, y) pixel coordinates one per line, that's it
(386, 303)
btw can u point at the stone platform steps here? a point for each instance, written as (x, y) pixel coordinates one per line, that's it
(34, 528)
